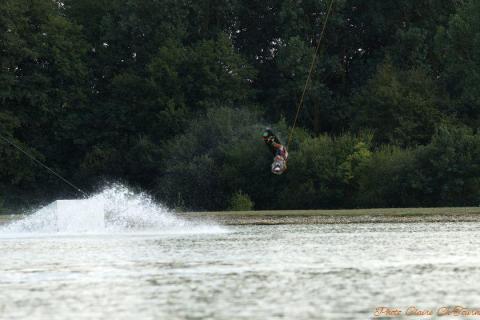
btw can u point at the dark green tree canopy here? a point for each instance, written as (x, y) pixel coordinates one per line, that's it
(171, 96)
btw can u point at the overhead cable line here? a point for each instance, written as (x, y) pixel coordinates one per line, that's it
(10, 142)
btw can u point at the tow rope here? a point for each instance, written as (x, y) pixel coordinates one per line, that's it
(77, 189)
(314, 59)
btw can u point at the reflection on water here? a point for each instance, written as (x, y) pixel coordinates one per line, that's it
(252, 272)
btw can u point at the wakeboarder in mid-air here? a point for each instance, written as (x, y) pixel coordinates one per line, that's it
(280, 154)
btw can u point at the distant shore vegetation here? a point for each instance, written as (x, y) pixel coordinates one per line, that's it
(171, 97)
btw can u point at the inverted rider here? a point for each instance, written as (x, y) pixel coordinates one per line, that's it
(280, 154)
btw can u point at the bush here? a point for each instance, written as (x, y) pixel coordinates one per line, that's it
(240, 202)
(218, 155)
(321, 172)
(388, 179)
(445, 172)
(450, 168)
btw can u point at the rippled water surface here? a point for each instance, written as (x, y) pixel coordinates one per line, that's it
(245, 272)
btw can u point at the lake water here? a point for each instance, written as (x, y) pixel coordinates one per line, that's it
(342, 271)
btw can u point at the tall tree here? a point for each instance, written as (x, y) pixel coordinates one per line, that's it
(42, 79)
(401, 106)
(459, 47)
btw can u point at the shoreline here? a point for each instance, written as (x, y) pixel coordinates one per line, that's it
(386, 215)
(344, 216)
(284, 220)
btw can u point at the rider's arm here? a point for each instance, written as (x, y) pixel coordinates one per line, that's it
(276, 145)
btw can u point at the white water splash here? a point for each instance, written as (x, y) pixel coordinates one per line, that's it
(124, 210)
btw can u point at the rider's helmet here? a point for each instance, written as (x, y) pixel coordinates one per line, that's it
(267, 134)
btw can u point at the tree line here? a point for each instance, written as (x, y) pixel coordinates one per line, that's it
(171, 96)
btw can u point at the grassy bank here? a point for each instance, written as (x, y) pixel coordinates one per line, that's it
(390, 215)
(395, 212)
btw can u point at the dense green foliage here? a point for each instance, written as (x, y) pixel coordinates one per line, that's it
(171, 96)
